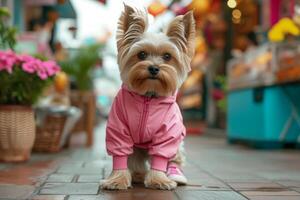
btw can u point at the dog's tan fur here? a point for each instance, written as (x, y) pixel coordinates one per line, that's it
(132, 38)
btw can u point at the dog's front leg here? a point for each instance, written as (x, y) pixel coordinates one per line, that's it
(158, 180)
(117, 180)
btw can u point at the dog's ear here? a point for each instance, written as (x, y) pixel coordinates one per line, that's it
(132, 24)
(182, 32)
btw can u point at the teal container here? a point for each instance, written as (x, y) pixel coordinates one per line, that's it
(264, 116)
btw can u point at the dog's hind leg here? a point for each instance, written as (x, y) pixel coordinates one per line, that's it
(137, 164)
(179, 158)
(175, 164)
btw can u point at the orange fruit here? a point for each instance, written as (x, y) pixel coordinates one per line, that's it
(61, 81)
(156, 8)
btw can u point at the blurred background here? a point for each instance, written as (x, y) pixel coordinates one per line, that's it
(245, 73)
(59, 76)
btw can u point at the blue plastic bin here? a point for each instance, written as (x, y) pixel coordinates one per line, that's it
(264, 116)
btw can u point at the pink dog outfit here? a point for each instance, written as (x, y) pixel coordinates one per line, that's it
(144, 122)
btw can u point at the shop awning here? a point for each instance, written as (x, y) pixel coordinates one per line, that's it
(66, 10)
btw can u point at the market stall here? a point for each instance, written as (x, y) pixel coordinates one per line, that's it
(264, 96)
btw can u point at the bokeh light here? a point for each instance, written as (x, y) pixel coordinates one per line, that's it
(236, 13)
(231, 3)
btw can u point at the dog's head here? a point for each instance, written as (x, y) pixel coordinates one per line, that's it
(154, 62)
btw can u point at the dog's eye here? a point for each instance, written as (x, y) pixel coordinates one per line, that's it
(142, 55)
(167, 57)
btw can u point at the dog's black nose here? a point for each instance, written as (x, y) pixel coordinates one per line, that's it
(153, 70)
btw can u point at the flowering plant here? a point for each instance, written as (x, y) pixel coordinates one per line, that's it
(219, 92)
(23, 77)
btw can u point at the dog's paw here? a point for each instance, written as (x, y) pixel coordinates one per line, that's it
(118, 180)
(158, 180)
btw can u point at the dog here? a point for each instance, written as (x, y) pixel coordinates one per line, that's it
(145, 126)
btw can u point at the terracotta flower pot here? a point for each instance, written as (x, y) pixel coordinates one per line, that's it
(17, 132)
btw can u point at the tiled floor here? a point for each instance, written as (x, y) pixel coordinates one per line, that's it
(216, 171)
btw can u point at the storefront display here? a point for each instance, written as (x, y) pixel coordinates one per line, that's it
(264, 96)
(267, 65)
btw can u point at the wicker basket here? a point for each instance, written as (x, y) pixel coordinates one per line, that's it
(17, 133)
(49, 134)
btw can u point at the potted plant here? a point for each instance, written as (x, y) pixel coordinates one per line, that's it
(79, 68)
(219, 95)
(22, 80)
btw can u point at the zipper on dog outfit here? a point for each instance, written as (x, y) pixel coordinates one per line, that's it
(144, 118)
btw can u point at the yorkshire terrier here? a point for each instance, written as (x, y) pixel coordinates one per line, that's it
(145, 124)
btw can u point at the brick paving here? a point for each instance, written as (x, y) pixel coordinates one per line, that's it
(216, 171)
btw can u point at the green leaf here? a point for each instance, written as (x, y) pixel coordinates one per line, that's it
(79, 67)
(4, 12)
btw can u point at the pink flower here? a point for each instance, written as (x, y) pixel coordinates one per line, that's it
(29, 67)
(7, 60)
(26, 58)
(42, 74)
(33, 65)
(51, 67)
(41, 70)
(28, 64)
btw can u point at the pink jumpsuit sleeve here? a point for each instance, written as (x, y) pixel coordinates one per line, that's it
(166, 142)
(119, 143)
